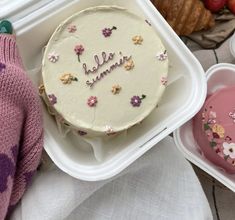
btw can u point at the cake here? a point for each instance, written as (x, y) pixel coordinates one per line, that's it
(104, 70)
(214, 128)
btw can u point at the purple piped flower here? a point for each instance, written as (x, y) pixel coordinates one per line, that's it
(2, 67)
(52, 99)
(108, 31)
(136, 100)
(92, 101)
(79, 49)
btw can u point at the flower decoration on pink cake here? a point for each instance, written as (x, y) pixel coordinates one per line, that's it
(52, 99)
(162, 56)
(216, 135)
(232, 115)
(218, 131)
(2, 67)
(229, 149)
(137, 40)
(92, 101)
(79, 49)
(136, 100)
(53, 57)
(129, 65)
(72, 28)
(107, 32)
(164, 81)
(212, 117)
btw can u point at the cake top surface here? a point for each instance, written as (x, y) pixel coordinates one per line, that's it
(104, 68)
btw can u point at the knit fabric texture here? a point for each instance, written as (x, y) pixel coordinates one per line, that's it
(21, 131)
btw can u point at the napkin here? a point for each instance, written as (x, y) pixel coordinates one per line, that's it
(159, 185)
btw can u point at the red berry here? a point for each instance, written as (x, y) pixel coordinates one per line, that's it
(231, 5)
(214, 5)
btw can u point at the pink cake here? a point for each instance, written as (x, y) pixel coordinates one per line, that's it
(214, 128)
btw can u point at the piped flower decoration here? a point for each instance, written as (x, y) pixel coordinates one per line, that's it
(92, 101)
(109, 130)
(212, 117)
(52, 99)
(53, 57)
(116, 89)
(229, 149)
(129, 65)
(218, 131)
(137, 40)
(67, 78)
(107, 32)
(72, 28)
(164, 81)
(2, 66)
(136, 100)
(232, 115)
(162, 56)
(79, 49)
(41, 89)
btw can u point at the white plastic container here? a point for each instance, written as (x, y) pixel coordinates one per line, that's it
(183, 97)
(232, 45)
(218, 76)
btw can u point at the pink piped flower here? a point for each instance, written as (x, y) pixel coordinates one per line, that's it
(52, 99)
(72, 28)
(164, 81)
(53, 57)
(79, 49)
(212, 117)
(92, 101)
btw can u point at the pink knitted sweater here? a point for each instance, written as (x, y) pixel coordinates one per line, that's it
(21, 133)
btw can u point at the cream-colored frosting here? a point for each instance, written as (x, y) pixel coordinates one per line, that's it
(113, 112)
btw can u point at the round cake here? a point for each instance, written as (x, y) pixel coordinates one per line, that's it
(214, 128)
(104, 70)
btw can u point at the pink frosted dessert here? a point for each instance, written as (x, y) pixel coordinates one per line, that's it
(214, 128)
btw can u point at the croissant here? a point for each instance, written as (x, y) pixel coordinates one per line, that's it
(185, 16)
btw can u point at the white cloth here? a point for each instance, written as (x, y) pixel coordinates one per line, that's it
(160, 185)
